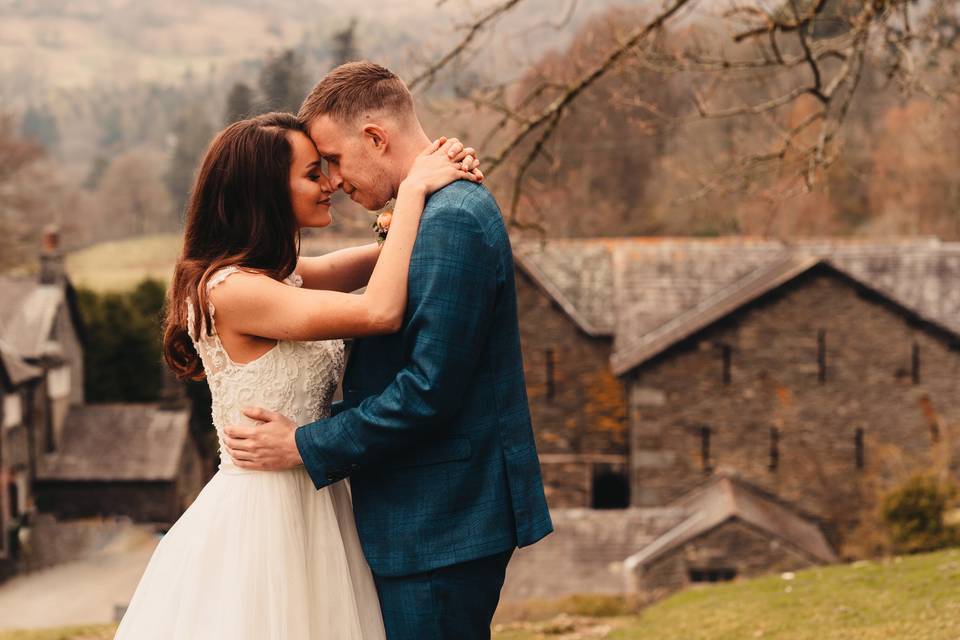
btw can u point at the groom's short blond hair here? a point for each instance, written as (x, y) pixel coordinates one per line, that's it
(355, 90)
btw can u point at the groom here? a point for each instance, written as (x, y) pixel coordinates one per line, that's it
(434, 429)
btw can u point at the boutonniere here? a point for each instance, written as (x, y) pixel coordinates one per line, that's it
(382, 225)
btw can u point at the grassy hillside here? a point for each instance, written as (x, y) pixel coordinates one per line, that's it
(121, 265)
(910, 598)
(118, 266)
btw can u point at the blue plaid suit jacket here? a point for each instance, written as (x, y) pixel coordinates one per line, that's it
(434, 429)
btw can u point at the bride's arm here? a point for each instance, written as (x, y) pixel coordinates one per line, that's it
(344, 270)
(257, 305)
(350, 269)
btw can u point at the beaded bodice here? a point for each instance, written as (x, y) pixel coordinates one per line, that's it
(296, 379)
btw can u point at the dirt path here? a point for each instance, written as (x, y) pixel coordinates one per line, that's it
(81, 592)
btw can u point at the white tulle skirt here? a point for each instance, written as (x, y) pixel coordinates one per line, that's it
(258, 556)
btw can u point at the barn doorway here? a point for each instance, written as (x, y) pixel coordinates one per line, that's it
(611, 487)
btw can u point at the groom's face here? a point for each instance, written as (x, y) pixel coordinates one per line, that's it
(352, 162)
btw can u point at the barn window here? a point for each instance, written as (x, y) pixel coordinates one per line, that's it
(727, 352)
(611, 487)
(858, 445)
(774, 449)
(705, 462)
(822, 355)
(712, 575)
(915, 363)
(549, 371)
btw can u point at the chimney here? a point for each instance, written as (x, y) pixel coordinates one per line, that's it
(52, 270)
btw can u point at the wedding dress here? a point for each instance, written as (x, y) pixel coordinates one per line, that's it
(260, 555)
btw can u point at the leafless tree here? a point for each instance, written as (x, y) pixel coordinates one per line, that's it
(792, 71)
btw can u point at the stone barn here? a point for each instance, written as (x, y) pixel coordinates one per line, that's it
(814, 375)
(729, 530)
(134, 460)
(820, 375)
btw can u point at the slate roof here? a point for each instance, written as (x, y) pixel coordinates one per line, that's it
(638, 289)
(726, 499)
(578, 275)
(708, 310)
(138, 442)
(28, 311)
(13, 291)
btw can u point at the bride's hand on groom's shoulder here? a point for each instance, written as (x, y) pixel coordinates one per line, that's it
(443, 162)
(466, 156)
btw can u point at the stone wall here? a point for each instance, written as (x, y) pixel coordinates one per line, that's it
(52, 541)
(585, 553)
(577, 405)
(140, 501)
(823, 431)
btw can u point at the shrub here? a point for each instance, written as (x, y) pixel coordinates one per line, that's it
(122, 358)
(914, 515)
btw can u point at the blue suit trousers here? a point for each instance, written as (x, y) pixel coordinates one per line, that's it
(453, 602)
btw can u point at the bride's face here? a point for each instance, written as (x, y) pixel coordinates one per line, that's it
(310, 189)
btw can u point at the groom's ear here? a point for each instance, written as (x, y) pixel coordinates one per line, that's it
(376, 136)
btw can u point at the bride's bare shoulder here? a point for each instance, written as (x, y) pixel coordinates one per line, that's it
(234, 286)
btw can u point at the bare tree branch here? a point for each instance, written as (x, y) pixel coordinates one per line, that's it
(829, 42)
(428, 75)
(557, 107)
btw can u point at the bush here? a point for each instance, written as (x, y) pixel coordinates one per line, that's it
(914, 515)
(122, 357)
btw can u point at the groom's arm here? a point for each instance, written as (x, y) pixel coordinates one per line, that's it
(453, 285)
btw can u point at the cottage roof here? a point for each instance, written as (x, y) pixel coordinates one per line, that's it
(13, 291)
(118, 442)
(28, 311)
(726, 499)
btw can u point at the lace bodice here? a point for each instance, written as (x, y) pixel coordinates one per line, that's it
(296, 379)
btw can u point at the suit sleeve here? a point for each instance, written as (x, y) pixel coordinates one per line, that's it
(452, 289)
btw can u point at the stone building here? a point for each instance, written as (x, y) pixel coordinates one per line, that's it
(18, 385)
(84, 458)
(577, 404)
(134, 460)
(815, 374)
(41, 339)
(728, 530)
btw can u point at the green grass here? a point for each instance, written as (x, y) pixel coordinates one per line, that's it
(121, 265)
(913, 598)
(909, 598)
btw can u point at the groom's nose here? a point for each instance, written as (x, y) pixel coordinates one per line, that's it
(336, 180)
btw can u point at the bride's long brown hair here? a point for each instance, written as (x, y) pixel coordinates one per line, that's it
(239, 213)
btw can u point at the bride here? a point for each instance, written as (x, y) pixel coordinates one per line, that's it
(263, 555)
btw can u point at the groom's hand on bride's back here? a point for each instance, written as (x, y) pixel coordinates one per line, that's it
(267, 446)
